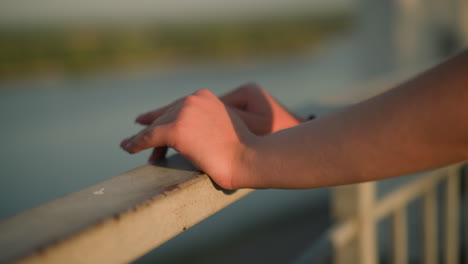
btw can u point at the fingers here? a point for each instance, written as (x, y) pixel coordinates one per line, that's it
(237, 98)
(159, 134)
(149, 117)
(153, 136)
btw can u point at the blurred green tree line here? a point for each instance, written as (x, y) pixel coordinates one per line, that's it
(80, 49)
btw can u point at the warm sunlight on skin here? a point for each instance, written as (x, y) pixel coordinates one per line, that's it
(219, 128)
(259, 110)
(246, 139)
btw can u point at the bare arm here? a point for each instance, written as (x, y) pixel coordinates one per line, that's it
(419, 125)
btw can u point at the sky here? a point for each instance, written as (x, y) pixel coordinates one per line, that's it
(70, 11)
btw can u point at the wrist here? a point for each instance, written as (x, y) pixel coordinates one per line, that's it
(246, 171)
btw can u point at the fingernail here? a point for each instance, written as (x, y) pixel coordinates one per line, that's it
(124, 142)
(128, 144)
(140, 118)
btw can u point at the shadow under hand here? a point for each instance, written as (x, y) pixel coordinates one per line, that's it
(178, 162)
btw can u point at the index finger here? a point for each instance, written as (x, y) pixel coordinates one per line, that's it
(149, 117)
(153, 136)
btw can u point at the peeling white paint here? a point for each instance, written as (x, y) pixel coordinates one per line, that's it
(99, 192)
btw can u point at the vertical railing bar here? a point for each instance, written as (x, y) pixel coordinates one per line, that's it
(465, 208)
(400, 236)
(451, 217)
(464, 171)
(345, 204)
(430, 227)
(365, 241)
(368, 250)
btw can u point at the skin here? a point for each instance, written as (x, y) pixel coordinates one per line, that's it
(246, 139)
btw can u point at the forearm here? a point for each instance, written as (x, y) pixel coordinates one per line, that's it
(419, 125)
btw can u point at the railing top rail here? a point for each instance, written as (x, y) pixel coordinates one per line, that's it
(116, 220)
(408, 192)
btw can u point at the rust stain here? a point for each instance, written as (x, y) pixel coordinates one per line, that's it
(171, 188)
(41, 250)
(117, 217)
(185, 228)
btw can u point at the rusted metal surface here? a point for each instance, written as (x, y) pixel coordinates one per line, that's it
(116, 220)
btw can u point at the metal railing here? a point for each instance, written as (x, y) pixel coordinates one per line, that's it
(124, 217)
(117, 220)
(353, 239)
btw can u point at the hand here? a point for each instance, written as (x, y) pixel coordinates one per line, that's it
(259, 110)
(261, 113)
(203, 130)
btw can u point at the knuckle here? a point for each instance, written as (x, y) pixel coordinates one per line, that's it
(173, 136)
(185, 111)
(203, 92)
(190, 99)
(146, 135)
(177, 131)
(175, 128)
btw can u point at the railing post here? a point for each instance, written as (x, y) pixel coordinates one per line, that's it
(462, 16)
(452, 206)
(430, 239)
(357, 201)
(465, 209)
(400, 236)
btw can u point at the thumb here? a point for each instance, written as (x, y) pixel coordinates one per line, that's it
(238, 98)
